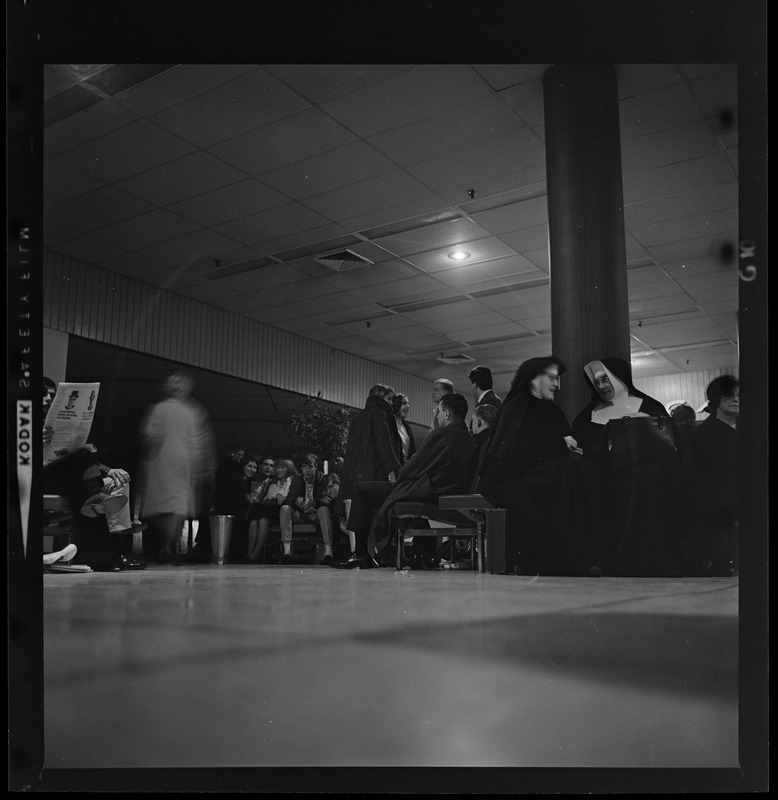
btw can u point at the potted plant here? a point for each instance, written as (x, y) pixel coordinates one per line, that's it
(324, 430)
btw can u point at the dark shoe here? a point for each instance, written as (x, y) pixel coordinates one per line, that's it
(101, 563)
(356, 562)
(327, 561)
(130, 563)
(425, 563)
(286, 559)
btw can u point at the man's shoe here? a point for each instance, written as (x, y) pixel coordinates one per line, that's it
(286, 558)
(125, 562)
(356, 562)
(327, 560)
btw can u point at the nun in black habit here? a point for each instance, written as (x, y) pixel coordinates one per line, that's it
(532, 468)
(645, 527)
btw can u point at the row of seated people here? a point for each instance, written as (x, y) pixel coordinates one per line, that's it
(571, 510)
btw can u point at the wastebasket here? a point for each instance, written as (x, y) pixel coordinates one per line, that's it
(221, 531)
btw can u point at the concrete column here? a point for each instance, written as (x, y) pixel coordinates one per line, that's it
(587, 256)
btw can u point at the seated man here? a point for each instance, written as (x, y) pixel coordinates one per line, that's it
(440, 466)
(96, 493)
(307, 501)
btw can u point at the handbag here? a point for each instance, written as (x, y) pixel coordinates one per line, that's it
(634, 441)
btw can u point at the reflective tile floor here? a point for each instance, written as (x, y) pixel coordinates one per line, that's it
(250, 666)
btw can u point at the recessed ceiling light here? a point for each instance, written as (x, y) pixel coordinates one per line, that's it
(459, 255)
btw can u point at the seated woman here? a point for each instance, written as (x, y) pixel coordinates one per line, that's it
(645, 524)
(531, 468)
(264, 513)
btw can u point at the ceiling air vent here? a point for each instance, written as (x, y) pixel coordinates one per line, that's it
(457, 358)
(342, 260)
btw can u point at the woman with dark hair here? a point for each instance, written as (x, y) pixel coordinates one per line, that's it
(531, 468)
(645, 535)
(404, 442)
(715, 445)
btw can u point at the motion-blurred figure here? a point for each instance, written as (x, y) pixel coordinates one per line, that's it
(178, 461)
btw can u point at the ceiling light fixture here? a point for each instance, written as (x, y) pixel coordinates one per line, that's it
(459, 255)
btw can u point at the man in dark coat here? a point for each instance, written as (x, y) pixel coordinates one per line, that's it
(483, 394)
(440, 466)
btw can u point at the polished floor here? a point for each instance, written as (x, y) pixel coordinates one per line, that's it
(250, 666)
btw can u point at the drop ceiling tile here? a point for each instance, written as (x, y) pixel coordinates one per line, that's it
(320, 238)
(320, 83)
(473, 163)
(519, 184)
(675, 178)
(692, 248)
(126, 151)
(306, 290)
(381, 192)
(242, 104)
(527, 239)
(147, 229)
(539, 258)
(98, 209)
(406, 97)
(668, 147)
(637, 79)
(644, 275)
(497, 270)
(458, 311)
(171, 280)
(285, 142)
(269, 225)
(526, 100)
(502, 76)
(696, 201)
(208, 292)
(88, 249)
(429, 204)
(177, 84)
(482, 250)
(357, 310)
(106, 116)
(229, 202)
(298, 303)
(716, 92)
(237, 303)
(430, 237)
(53, 233)
(669, 231)
(326, 171)
(722, 356)
(490, 325)
(669, 107)
(685, 332)
(61, 183)
(370, 276)
(713, 287)
(263, 279)
(192, 248)
(525, 214)
(451, 130)
(183, 178)
(131, 264)
(420, 287)
(667, 305)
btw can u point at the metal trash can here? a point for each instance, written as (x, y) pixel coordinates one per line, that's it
(221, 531)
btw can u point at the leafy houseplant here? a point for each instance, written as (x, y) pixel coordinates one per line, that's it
(324, 431)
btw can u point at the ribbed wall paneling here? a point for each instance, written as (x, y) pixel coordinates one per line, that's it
(688, 386)
(84, 300)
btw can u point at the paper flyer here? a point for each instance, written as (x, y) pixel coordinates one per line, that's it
(69, 419)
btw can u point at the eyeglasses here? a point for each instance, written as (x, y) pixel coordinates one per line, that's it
(553, 375)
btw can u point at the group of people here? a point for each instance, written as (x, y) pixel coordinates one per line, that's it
(580, 498)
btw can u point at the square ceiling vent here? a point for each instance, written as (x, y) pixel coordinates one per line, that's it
(342, 260)
(456, 358)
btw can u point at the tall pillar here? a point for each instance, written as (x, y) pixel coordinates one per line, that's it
(587, 255)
